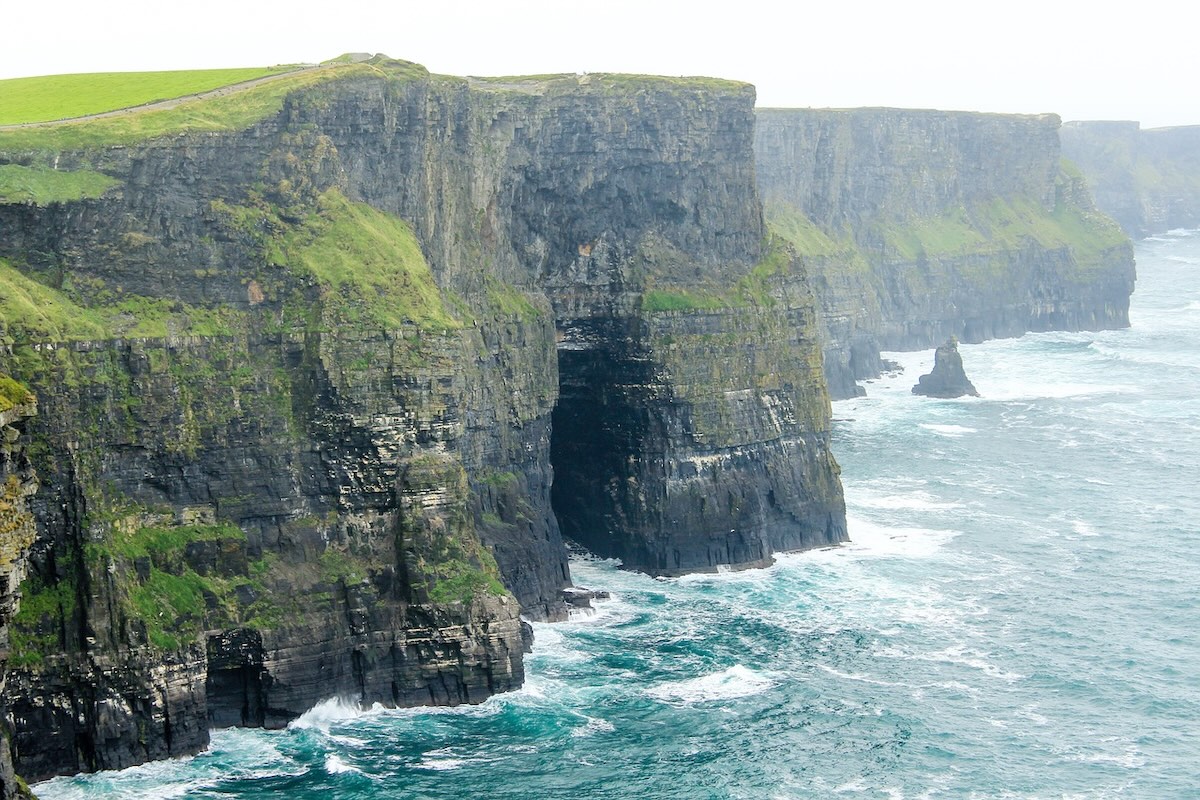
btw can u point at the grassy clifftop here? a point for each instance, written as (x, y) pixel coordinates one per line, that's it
(54, 97)
(232, 111)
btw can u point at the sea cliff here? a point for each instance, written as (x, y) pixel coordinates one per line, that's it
(1148, 180)
(921, 225)
(309, 355)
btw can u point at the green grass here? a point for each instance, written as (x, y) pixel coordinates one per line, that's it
(34, 632)
(657, 300)
(369, 263)
(54, 97)
(13, 393)
(231, 112)
(1007, 224)
(804, 235)
(459, 581)
(34, 312)
(169, 541)
(42, 186)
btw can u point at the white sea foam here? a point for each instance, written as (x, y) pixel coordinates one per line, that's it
(1082, 528)
(1033, 716)
(594, 725)
(728, 684)
(960, 655)
(859, 678)
(954, 431)
(327, 713)
(448, 758)
(441, 764)
(1022, 390)
(916, 501)
(1182, 233)
(334, 765)
(1130, 757)
(870, 538)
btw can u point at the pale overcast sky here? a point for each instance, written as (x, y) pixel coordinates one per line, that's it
(1093, 60)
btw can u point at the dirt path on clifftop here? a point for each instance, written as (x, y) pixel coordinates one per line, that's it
(162, 105)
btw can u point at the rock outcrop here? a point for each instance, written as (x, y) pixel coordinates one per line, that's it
(948, 378)
(920, 225)
(299, 361)
(1147, 180)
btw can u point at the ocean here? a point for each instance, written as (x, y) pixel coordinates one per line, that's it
(1016, 617)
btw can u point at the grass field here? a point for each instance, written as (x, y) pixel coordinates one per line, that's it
(231, 112)
(54, 97)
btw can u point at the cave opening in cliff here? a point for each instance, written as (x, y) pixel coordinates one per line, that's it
(602, 425)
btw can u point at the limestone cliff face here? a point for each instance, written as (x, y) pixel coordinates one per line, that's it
(300, 387)
(920, 225)
(1147, 180)
(17, 532)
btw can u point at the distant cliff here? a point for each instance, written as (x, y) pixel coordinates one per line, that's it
(1147, 180)
(921, 225)
(308, 355)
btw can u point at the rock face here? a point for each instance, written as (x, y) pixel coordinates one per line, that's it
(919, 225)
(948, 379)
(300, 373)
(1147, 180)
(17, 532)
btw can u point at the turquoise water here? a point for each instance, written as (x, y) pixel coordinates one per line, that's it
(1015, 619)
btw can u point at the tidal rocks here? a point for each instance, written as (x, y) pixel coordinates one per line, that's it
(948, 378)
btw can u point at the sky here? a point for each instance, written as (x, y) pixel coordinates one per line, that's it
(1094, 60)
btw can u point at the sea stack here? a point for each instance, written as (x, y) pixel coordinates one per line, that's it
(948, 378)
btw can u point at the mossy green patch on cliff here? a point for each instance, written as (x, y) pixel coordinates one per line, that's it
(804, 235)
(459, 579)
(508, 300)
(370, 262)
(33, 312)
(43, 186)
(658, 300)
(237, 110)
(158, 587)
(168, 541)
(52, 97)
(1005, 225)
(13, 393)
(37, 628)
(753, 288)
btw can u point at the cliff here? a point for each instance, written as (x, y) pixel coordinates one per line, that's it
(17, 532)
(921, 225)
(309, 355)
(1147, 180)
